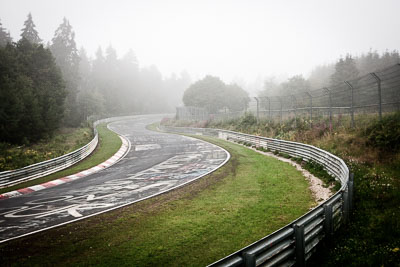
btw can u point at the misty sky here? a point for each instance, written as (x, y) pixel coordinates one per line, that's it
(231, 39)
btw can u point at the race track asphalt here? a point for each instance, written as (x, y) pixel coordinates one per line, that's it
(157, 162)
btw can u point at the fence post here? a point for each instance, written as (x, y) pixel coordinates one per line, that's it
(294, 100)
(352, 102)
(378, 80)
(309, 95)
(258, 110)
(269, 108)
(300, 245)
(280, 115)
(330, 107)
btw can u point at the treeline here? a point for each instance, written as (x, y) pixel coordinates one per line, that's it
(117, 86)
(45, 86)
(214, 95)
(346, 68)
(32, 90)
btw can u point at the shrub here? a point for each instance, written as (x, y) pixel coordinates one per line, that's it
(285, 155)
(248, 119)
(385, 134)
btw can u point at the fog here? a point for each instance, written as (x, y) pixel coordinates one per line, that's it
(235, 40)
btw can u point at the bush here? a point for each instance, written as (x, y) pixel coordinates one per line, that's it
(385, 134)
(248, 119)
(285, 155)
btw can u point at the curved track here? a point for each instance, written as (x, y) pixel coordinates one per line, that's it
(157, 162)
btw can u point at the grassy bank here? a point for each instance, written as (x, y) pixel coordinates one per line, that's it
(109, 144)
(372, 152)
(248, 198)
(64, 141)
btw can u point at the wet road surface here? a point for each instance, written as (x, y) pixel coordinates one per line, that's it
(157, 162)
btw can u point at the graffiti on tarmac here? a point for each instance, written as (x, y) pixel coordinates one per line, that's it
(45, 212)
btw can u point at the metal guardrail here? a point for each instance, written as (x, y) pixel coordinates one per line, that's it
(294, 243)
(37, 170)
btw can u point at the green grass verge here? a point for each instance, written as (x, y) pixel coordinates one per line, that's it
(109, 144)
(248, 198)
(371, 150)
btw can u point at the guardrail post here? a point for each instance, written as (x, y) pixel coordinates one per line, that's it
(249, 259)
(346, 205)
(352, 102)
(300, 245)
(351, 190)
(378, 80)
(328, 225)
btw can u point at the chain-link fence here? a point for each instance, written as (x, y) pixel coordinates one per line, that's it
(374, 93)
(191, 114)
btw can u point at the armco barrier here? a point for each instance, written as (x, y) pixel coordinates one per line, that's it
(8, 178)
(34, 171)
(294, 243)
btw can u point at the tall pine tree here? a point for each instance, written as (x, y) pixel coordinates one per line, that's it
(4, 36)
(31, 92)
(64, 50)
(345, 70)
(90, 101)
(29, 32)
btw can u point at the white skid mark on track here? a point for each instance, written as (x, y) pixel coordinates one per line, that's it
(147, 147)
(73, 212)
